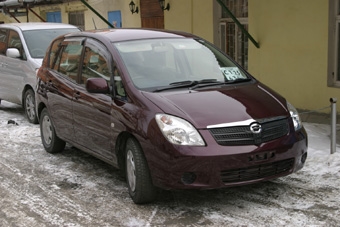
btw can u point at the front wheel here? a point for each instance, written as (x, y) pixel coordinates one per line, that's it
(29, 106)
(52, 143)
(138, 176)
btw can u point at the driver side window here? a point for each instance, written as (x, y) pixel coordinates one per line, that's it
(95, 65)
(3, 38)
(15, 42)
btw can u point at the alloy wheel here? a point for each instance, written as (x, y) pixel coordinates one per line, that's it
(47, 130)
(131, 170)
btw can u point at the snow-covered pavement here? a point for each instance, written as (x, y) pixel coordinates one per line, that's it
(74, 189)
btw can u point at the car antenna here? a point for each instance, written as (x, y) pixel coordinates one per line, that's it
(95, 27)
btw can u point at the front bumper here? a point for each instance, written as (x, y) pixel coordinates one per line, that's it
(215, 166)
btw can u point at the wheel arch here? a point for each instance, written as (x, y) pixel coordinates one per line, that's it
(26, 88)
(39, 108)
(120, 148)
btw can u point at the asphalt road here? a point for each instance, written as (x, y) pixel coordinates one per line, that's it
(74, 189)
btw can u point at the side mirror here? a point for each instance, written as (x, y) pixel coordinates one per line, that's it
(13, 53)
(97, 85)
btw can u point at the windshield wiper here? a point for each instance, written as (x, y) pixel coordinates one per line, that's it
(193, 84)
(186, 83)
(239, 80)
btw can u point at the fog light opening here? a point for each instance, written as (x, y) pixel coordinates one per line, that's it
(188, 178)
(304, 157)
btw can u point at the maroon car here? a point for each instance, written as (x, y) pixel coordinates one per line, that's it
(168, 108)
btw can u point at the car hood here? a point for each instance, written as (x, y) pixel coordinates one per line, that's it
(205, 108)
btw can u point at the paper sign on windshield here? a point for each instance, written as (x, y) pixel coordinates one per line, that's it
(232, 73)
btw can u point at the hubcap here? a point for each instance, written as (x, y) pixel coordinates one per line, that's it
(46, 130)
(30, 106)
(131, 170)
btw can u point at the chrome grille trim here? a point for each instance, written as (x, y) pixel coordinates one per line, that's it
(242, 135)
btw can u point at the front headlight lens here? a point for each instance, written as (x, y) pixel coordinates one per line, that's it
(178, 131)
(295, 116)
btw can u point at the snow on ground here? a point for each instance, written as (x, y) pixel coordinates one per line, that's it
(74, 189)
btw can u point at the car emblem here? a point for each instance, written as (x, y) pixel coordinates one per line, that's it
(255, 128)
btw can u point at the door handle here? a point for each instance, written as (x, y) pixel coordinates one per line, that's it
(77, 95)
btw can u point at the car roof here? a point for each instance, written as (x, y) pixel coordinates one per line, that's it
(36, 25)
(128, 34)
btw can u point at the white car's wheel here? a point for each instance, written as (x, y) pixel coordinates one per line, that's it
(29, 106)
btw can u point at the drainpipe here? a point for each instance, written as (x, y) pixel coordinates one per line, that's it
(100, 16)
(238, 23)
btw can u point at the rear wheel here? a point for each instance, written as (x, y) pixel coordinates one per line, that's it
(138, 176)
(29, 106)
(52, 143)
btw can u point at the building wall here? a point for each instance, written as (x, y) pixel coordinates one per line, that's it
(292, 58)
(193, 16)
(293, 38)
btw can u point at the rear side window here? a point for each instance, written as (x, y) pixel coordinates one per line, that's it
(68, 59)
(54, 51)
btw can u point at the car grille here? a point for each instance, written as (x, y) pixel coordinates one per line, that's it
(257, 172)
(242, 135)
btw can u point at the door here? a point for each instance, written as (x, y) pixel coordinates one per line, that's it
(115, 18)
(92, 112)
(13, 70)
(60, 84)
(53, 17)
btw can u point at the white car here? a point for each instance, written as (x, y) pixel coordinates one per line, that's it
(22, 48)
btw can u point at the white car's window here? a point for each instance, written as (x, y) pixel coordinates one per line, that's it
(3, 45)
(156, 63)
(37, 41)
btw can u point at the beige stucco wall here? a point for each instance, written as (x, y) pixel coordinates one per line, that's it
(91, 19)
(193, 16)
(292, 58)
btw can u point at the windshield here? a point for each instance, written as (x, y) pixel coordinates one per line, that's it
(157, 63)
(38, 40)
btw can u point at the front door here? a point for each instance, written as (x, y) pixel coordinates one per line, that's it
(92, 112)
(13, 70)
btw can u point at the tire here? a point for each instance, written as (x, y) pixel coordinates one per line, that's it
(52, 143)
(29, 106)
(138, 176)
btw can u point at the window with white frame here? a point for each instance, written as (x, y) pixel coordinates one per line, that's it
(232, 40)
(334, 44)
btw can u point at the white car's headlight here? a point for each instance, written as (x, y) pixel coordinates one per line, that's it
(178, 131)
(295, 116)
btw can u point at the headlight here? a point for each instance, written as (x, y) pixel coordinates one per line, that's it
(295, 116)
(178, 131)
